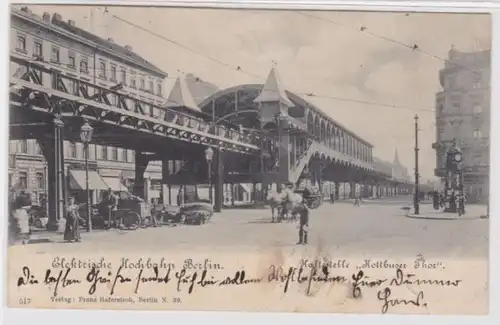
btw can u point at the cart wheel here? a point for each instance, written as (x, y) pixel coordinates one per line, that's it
(131, 220)
(146, 222)
(37, 223)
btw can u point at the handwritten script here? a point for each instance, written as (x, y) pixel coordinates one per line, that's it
(107, 281)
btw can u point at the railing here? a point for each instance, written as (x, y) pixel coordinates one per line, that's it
(303, 160)
(36, 71)
(341, 156)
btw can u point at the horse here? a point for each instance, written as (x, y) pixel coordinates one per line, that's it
(285, 203)
(275, 201)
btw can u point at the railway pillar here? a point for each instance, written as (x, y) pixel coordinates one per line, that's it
(52, 146)
(352, 190)
(141, 188)
(165, 181)
(218, 180)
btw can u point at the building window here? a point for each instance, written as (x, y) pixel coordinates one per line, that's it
(104, 153)
(23, 180)
(55, 54)
(102, 70)
(84, 66)
(38, 150)
(456, 105)
(478, 109)
(72, 150)
(114, 153)
(476, 80)
(132, 157)
(124, 76)
(477, 159)
(151, 87)
(158, 89)
(40, 181)
(152, 110)
(21, 43)
(133, 82)
(477, 134)
(125, 155)
(71, 60)
(113, 73)
(38, 49)
(143, 84)
(23, 146)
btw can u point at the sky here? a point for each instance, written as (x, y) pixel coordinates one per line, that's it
(332, 59)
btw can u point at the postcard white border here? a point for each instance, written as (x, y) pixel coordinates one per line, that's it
(77, 317)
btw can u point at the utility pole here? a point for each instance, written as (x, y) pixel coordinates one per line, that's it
(417, 191)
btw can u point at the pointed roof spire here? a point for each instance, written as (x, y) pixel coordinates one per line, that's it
(180, 95)
(396, 157)
(273, 90)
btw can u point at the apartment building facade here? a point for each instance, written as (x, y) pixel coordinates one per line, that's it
(463, 114)
(61, 45)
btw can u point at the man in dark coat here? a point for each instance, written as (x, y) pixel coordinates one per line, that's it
(112, 200)
(304, 216)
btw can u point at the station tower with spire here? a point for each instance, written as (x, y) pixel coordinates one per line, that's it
(273, 105)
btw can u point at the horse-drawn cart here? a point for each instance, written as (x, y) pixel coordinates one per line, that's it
(131, 214)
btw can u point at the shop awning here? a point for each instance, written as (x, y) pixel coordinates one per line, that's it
(115, 184)
(77, 180)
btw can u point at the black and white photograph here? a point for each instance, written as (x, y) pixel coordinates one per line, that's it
(167, 158)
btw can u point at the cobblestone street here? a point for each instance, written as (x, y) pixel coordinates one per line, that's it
(378, 227)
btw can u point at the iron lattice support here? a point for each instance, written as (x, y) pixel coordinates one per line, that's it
(109, 106)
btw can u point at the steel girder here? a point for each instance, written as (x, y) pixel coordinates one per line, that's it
(58, 100)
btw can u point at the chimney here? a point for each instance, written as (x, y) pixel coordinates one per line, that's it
(56, 17)
(71, 23)
(128, 47)
(46, 17)
(26, 9)
(110, 40)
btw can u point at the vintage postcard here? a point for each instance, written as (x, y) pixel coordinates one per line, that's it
(248, 160)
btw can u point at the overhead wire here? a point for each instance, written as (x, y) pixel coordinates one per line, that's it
(241, 70)
(366, 30)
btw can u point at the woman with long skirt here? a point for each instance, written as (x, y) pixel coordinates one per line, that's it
(21, 217)
(72, 231)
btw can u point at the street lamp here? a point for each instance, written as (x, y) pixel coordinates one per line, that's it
(86, 135)
(209, 154)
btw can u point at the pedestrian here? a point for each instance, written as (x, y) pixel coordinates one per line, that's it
(304, 216)
(112, 200)
(356, 202)
(21, 218)
(72, 231)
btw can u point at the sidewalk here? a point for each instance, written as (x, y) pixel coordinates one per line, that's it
(472, 212)
(45, 236)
